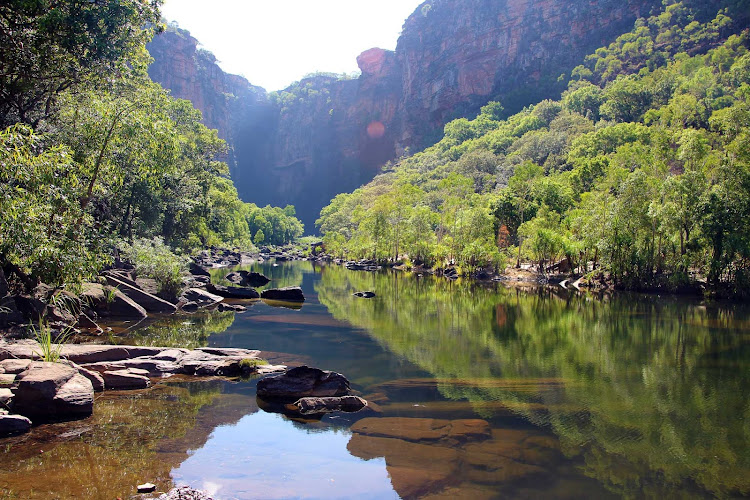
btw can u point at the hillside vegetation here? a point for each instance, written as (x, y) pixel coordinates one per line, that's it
(640, 169)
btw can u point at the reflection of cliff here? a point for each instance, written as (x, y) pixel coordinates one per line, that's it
(648, 389)
(130, 439)
(324, 135)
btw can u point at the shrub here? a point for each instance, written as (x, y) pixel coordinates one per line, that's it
(154, 259)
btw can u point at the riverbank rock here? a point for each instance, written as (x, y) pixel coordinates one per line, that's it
(315, 406)
(288, 294)
(120, 305)
(365, 295)
(303, 381)
(247, 278)
(12, 425)
(151, 303)
(233, 292)
(53, 391)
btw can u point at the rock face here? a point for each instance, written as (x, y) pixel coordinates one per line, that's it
(326, 135)
(302, 382)
(53, 391)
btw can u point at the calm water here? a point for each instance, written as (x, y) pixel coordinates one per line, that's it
(585, 397)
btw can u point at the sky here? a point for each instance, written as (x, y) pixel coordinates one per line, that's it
(274, 43)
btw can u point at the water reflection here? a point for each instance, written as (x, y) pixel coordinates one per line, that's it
(578, 396)
(651, 391)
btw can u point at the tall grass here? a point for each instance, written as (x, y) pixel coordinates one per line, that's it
(50, 346)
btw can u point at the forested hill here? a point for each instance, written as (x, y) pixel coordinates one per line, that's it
(640, 169)
(330, 133)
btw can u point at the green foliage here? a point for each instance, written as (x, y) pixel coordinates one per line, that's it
(154, 259)
(50, 47)
(45, 231)
(640, 170)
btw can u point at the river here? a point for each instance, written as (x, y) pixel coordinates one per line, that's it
(575, 395)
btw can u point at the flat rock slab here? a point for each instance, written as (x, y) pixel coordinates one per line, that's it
(79, 354)
(303, 381)
(11, 425)
(53, 391)
(424, 429)
(288, 294)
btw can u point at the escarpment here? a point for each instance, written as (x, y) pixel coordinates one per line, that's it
(325, 135)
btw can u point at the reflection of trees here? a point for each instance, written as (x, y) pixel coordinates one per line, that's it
(181, 331)
(651, 388)
(129, 440)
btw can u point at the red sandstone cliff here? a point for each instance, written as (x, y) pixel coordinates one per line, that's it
(323, 135)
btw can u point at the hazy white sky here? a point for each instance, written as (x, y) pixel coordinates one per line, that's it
(274, 43)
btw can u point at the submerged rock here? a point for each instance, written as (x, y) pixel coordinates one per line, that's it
(288, 294)
(53, 391)
(303, 381)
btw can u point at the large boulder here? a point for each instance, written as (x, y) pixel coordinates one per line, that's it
(233, 292)
(9, 313)
(302, 382)
(288, 294)
(53, 391)
(151, 303)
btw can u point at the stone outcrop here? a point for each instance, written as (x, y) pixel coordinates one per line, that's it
(326, 135)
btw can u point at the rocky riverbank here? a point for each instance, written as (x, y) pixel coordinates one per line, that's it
(34, 391)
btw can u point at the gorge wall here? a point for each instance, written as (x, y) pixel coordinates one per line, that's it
(325, 135)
